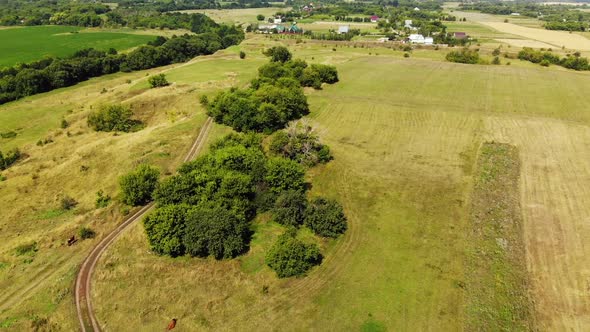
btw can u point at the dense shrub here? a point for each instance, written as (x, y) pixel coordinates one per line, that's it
(113, 118)
(289, 208)
(216, 231)
(464, 56)
(137, 187)
(86, 233)
(242, 55)
(284, 174)
(157, 81)
(290, 256)
(165, 228)
(326, 218)
(301, 144)
(10, 158)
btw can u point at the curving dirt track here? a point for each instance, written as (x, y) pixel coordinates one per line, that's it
(82, 290)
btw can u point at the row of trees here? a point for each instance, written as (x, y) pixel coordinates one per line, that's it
(53, 73)
(274, 98)
(129, 13)
(207, 208)
(546, 58)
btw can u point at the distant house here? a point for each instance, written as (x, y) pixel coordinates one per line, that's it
(383, 39)
(460, 35)
(416, 39)
(416, 9)
(408, 24)
(277, 20)
(374, 18)
(343, 29)
(515, 14)
(293, 29)
(428, 40)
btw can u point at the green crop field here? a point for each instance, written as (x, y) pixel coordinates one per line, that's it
(25, 44)
(406, 135)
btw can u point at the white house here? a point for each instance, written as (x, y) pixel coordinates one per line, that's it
(428, 41)
(343, 29)
(515, 14)
(416, 39)
(408, 24)
(416, 9)
(277, 20)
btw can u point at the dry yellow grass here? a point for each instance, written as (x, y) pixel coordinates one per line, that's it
(78, 163)
(556, 209)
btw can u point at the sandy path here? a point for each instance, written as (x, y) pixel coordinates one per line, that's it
(556, 211)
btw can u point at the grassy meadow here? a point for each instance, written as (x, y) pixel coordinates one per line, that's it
(405, 150)
(26, 44)
(405, 134)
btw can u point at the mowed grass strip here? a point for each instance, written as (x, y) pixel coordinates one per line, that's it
(26, 44)
(497, 279)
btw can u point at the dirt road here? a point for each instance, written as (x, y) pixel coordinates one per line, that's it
(82, 293)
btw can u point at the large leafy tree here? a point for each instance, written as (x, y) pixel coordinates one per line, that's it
(284, 174)
(165, 228)
(289, 208)
(326, 218)
(138, 186)
(290, 256)
(216, 231)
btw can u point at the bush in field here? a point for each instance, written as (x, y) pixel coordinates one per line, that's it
(278, 54)
(9, 159)
(102, 200)
(300, 143)
(86, 233)
(242, 55)
(216, 231)
(138, 186)
(289, 208)
(68, 203)
(260, 17)
(464, 56)
(326, 218)
(113, 118)
(157, 81)
(290, 256)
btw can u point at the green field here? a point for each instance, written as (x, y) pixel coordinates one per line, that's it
(405, 134)
(25, 44)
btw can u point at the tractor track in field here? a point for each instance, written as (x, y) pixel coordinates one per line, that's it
(82, 296)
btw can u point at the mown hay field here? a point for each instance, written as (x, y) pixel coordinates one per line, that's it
(239, 16)
(405, 135)
(26, 44)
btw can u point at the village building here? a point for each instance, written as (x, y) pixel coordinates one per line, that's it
(460, 35)
(416, 38)
(374, 18)
(343, 29)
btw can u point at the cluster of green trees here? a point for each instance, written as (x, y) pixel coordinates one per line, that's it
(113, 118)
(130, 13)
(465, 55)
(10, 158)
(53, 73)
(206, 209)
(300, 143)
(557, 17)
(546, 58)
(274, 98)
(158, 81)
